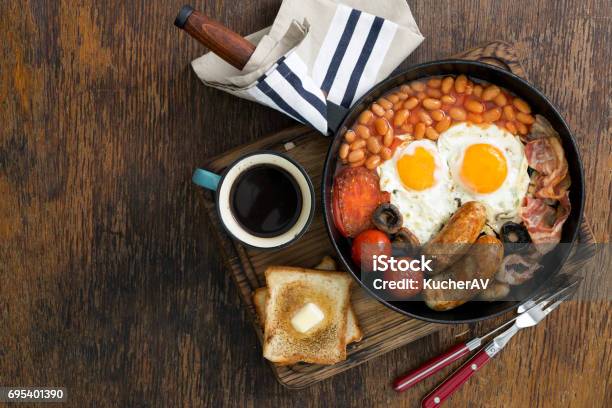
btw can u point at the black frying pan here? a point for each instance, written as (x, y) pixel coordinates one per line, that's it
(471, 311)
(237, 50)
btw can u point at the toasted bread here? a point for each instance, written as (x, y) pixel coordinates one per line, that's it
(260, 297)
(289, 289)
(327, 264)
(353, 331)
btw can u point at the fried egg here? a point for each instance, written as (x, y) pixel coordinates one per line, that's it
(487, 164)
(420, 186)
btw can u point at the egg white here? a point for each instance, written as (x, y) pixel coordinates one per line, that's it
(425, 211)
(504, 203)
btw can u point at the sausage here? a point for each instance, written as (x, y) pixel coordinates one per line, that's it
(454, 240)
(495, 291)
(481, 262)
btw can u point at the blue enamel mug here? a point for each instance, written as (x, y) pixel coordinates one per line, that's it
(264, 199)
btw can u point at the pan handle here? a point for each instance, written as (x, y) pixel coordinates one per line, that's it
(335, 116)
(230, 46)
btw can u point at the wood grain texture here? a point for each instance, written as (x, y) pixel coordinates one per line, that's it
(110, 283)
(384, 330)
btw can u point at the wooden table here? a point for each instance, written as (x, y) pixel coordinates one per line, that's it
(109, 285)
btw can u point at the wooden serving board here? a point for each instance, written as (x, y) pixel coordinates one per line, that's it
(383, 329)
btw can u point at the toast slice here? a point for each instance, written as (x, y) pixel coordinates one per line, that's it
(353, 331)
(289, 289)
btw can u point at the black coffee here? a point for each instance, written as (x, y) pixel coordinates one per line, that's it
(266, 200)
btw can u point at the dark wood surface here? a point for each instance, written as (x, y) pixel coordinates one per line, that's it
(109, 282)
(383, 329)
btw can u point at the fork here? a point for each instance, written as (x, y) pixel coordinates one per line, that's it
(437, 363)
(528, 318)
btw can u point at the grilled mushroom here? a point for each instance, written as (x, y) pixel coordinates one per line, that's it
(515, 236)
(387, 218)
(516, 269)
(406, 242)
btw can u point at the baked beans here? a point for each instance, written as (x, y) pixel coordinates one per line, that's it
(373, 145)
(437, 115)
(386, 153)
(385, 103)
(400, 117)
(372, 162)
(474, 106)
(431, 133)
(357, 144)
(344, 151)
(426, 108)
(432, 104)
(448, 99)
(411, 103)
(350, 136)
(381, 126)
(457, 113)
(501, 100)
(365, 117)
(361, 131)
(356, 155)
(419, 130)
(388, 138)
(377, 109)
(490, 93)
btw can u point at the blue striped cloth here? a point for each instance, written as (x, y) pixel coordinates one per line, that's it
(344, 69)
(316, 52)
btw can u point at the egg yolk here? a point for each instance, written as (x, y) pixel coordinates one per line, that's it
(416, 170)
(484, 168)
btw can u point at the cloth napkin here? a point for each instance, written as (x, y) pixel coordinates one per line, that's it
(316, 52)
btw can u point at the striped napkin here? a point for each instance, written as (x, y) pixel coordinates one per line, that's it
(316, 54)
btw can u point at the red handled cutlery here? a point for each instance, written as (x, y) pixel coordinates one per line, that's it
(529, 313)
(439, 362)
(529, 318)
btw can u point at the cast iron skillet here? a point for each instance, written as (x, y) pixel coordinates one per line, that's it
(236, 50)
(471, 311)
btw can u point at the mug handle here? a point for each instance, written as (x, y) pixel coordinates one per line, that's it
(206, 179)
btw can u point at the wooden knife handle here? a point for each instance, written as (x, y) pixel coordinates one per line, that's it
(230, 46)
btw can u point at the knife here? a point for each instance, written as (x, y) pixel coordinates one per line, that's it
(529, 318)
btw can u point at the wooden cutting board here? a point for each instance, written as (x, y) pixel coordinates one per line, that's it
(383, 329)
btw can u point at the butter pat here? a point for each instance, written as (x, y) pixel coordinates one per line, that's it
(307, 317)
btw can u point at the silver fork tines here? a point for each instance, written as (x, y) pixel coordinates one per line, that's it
(559, 288)
(529, 318)
(558, 302)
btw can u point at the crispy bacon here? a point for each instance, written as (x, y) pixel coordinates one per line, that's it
(542, 190)
(540, 129)
(547, 157)
(544, 222)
